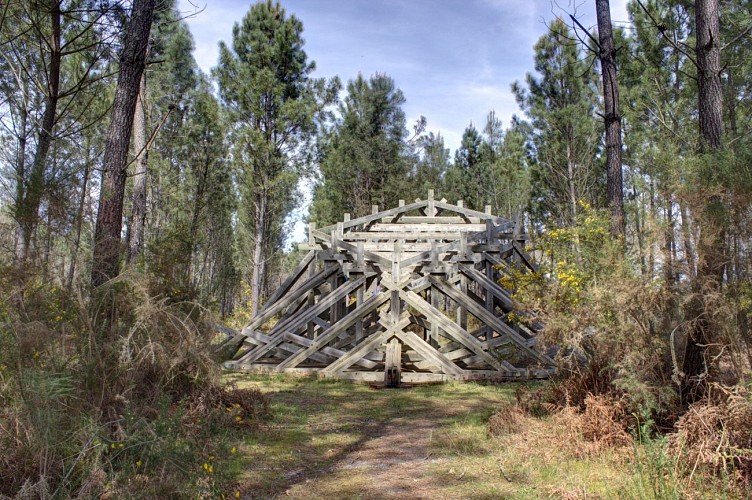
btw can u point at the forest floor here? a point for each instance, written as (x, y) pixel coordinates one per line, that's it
(332, 439)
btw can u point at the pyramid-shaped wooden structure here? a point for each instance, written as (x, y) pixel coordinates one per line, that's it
(408, 294)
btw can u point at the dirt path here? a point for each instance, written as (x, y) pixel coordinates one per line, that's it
(337, 440)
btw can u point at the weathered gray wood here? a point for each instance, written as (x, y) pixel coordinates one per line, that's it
(301, 319)
(365, 347)
(395, 255)
(393, 363)
(488, 285)
(337, 328)
(291, 280)
(450, 327)
(374, 217)
(423, 228)
(429, 353)
(329, 351)
(492, 321)
(279, 305)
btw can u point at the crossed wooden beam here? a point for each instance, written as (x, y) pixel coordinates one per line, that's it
(408, 294)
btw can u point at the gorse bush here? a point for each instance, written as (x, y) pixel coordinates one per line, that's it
(143, 416)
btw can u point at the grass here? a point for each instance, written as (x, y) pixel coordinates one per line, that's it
(333, 439)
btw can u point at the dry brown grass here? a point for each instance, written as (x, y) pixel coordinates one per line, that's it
(716, 434)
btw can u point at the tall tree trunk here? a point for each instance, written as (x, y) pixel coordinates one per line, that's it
(80, 214)
(611, 118)
(110, 213)
(257, 276)
(711, 259)
(21, 170)
(138, 214)
(28, 208)
(689, 253)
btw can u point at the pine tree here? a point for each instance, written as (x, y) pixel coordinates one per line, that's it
(271, 100)
(560, 104)
(367, 159)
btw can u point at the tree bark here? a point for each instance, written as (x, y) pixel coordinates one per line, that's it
(28, 208)
(257, 276)
(110, 214)
(138, 214)
(611, 118)
(711, 259)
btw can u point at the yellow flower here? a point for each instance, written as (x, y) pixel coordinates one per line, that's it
(233, 450)
(112, 445)
(237, 494)
(138, 463)
(120, 445)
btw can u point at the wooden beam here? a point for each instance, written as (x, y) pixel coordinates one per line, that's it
(429, 353)
(293, 324)
(295, 274)
(453, 330)
(366, 346)
(328, 335)
(490, 320)
(393, 363)
(373, 217)
(489, 285)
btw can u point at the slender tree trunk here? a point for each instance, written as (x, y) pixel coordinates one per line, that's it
(611, 118)
(711, 255)
(138, 214)
(639, 227)
(28, 214)
(80, 214)
(110, 214)
(257, 276)
(689, 252)
(668, 257)
(21, 171)
(198, 204)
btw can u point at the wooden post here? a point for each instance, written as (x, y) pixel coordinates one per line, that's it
(434, 341)
(360, 265)
(489, 275)
(393, 363)
(395, 298)
(311, 300)
(431, 209)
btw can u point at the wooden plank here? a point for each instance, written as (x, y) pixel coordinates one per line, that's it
(525, 257)
(329, 351)
(406, 235)
(393, 363)
(373, 217)
(427, 228)
(422, 219)
(453, 330)
(339, 327)
(291, 279)
(429, 353)
(300, 320)
(488, 285)
(263, 339)
(490, 320)
(507, 224)
(366, 346)
(315, 281)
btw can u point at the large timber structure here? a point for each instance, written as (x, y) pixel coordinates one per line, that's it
(408, 294)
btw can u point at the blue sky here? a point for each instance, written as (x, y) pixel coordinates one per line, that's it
(454, 60)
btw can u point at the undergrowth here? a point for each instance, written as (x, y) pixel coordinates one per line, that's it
(135, 414)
